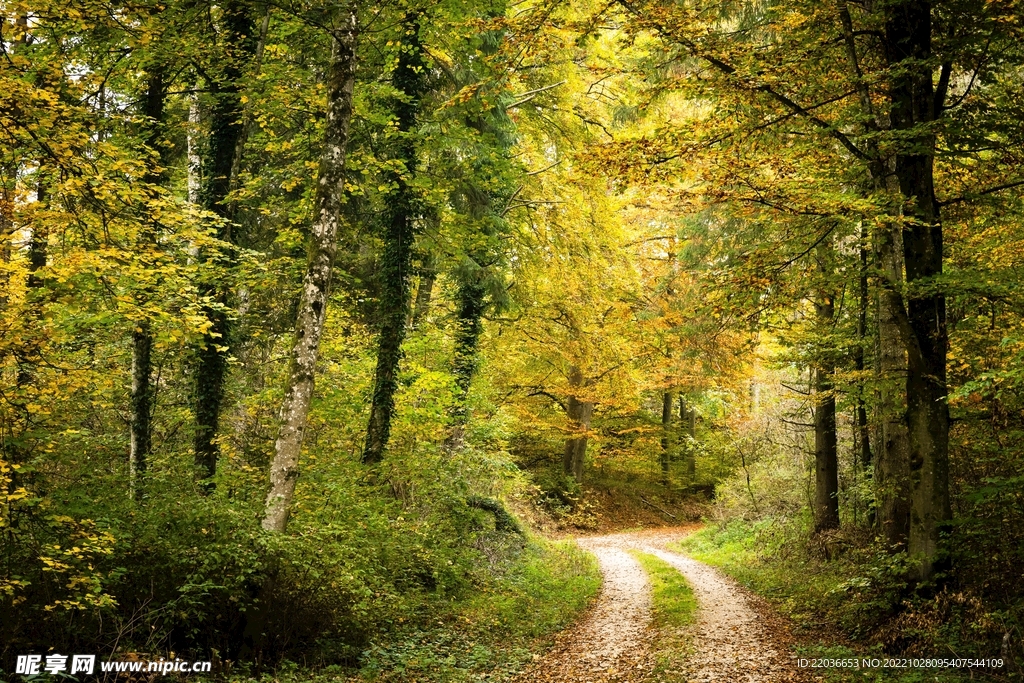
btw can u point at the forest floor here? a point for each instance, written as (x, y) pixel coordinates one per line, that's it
(736, 637)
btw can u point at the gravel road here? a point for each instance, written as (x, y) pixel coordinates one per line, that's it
(731, 641)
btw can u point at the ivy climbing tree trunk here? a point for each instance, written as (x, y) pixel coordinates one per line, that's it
(309, 323)
(141, 406)
(226, 127)
(409, 79)
(470, 298)
(477, 197)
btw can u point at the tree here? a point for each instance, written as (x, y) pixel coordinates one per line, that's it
(866, 104)
(223, 76)
(409, 81)
(312, 313)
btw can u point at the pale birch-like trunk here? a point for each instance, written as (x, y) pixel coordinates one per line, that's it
(309, 324)
(195, 163)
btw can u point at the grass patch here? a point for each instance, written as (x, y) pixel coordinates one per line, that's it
(487, 634)
(850, 597)
(496, 630)
(675, 608)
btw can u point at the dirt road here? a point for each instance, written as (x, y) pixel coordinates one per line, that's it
(731, 641)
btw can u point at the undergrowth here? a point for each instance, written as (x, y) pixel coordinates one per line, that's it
(487, 635)
(843, 587)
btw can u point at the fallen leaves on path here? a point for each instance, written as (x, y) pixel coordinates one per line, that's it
(610, 644)
(732, 642)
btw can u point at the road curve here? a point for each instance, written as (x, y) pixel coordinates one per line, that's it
(730, 641)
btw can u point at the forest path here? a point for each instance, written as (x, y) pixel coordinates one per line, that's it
(733, 640)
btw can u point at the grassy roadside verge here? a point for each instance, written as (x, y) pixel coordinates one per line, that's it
(675, 608)
(494, 632)
(838, 608)
(486, 634)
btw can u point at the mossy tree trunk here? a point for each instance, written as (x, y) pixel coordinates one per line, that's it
(579, 413)
(826, 462)
(142, 392)
(471, 302)
(668, 440)
(409, 79)
(915, 104)
(226, 126)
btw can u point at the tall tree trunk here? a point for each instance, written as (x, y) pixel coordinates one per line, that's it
(579, 414)
(141, 440)
(141, 408)
(892, 458)
(863, 431)
(688, 418)
(7, 183)
(826, 464)
(28, 353)
(193, 155)
(668, 400)
(471, 299)
(914, 104)
(309, 323)
(428, 276)
(409, 79)
(861, 426)
(225, 132)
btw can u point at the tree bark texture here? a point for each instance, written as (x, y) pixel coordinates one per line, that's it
(7, 179)
(409, 78)
(225, 131)
(312, 313)
(140, 438)
(471, 299)
(141, 406)
(688, 418)
(913, 106)
(826, 463)
(892, 457)
(28, 355)
(579, 414)
(428, 276)
(668, 400)
(862, 427)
